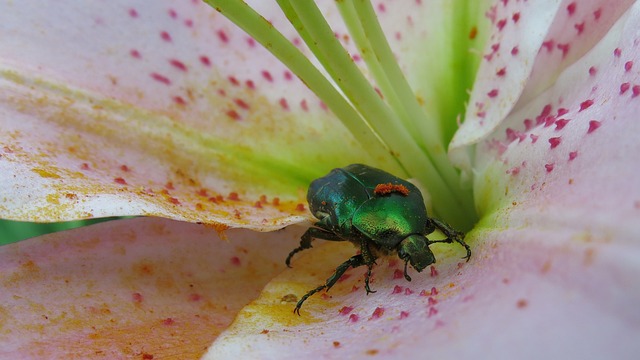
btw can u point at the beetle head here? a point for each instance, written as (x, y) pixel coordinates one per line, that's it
(415, 250)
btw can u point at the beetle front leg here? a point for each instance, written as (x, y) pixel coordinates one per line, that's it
(307, 237)
(452, 235)
(354, 262)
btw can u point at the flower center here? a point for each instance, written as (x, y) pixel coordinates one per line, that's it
(390, 123)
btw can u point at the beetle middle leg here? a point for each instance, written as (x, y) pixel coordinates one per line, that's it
(354, 262)
(452, 235)
(307, 237)
(369, 260)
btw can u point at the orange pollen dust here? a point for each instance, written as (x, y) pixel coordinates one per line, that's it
(388, 188)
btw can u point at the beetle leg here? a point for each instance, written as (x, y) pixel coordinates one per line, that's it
(452, 235)
(406, 276)
(307, 237)
(354, 262)
(369, 260)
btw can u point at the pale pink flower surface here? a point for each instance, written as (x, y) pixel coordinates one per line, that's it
(169, 110)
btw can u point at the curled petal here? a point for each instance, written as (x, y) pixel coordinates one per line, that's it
(531, 44)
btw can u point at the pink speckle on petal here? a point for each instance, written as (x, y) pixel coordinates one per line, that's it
(528, 124)
(515, 17)
(235, 261)
(617, 52)
(165, 36)
(204, 60)
(345, 310)
(403, 315)
(397, 289)
(431, 301)
(573, 155)
(179, 100)
(635, 90)
(548, 44)
(377, 313)
(432, 311)
(571, 8)
(135, 54)
(178, 64)
(593, 125)
(137, 297)
(161, 78)
(549, 167)
(284, 104)
(628, 66)
(579, 27)
(133, 13)
(624, 87)
(515, 51)
(564, 48)
(354, 318)
(408, 291)
(233, 80)
(398, 274)
(222, 35)
(562, 111)
(267, 75)
(493, 93)
(549, 120)
(561, 123)
(534, 138)
(434, 271)
(585, 104)
(501, 72)
(233, 115)
(501, 23)
(597, 14)
(555, 141)
(241, 103)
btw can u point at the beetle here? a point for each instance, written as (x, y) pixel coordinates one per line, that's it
(379, 213)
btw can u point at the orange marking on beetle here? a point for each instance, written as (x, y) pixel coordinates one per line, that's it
(388, 188)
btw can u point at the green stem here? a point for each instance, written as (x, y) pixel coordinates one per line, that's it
(429, 131)
(263, 32)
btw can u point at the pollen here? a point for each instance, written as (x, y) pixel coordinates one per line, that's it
(388, 188)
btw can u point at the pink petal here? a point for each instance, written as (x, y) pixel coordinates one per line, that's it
(587, 158)
(531, 59)
(534, 288)
(131, 288)
(120, 108)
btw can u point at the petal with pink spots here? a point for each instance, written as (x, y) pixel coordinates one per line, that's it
(139, 288)
(119, 108)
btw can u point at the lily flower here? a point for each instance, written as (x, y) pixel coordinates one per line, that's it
(517, 118)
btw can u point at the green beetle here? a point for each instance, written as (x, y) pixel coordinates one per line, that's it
(378, 212)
